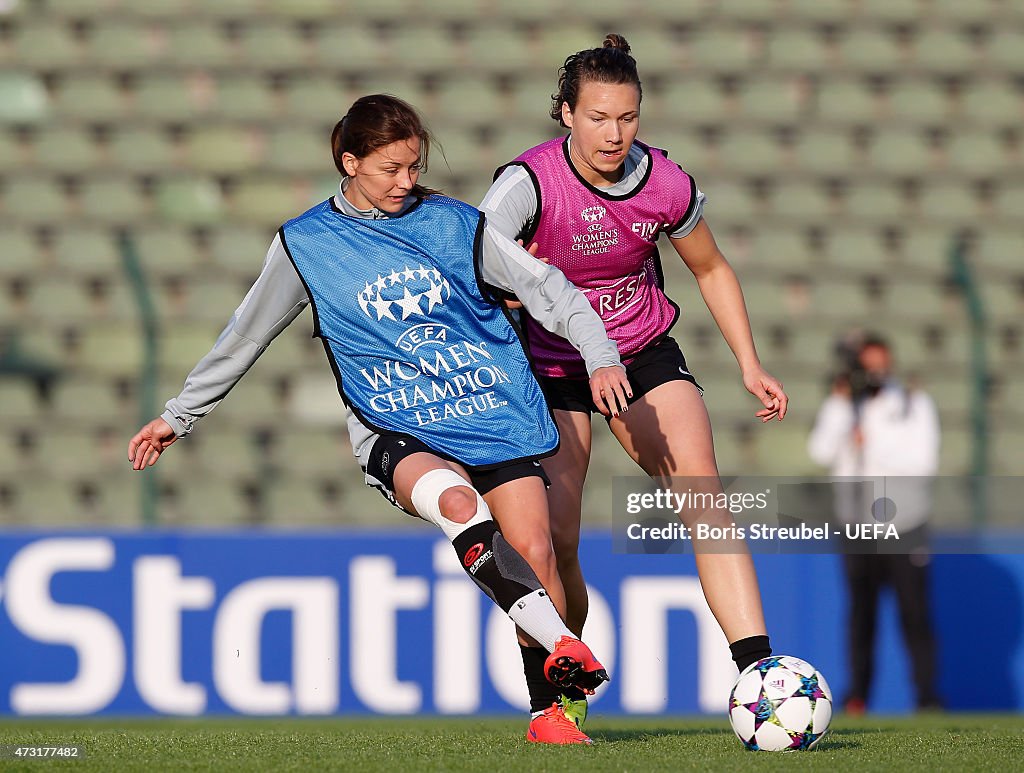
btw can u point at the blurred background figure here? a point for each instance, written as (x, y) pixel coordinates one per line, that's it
(874, 426)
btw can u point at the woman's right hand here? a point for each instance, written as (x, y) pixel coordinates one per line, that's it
(149, 442)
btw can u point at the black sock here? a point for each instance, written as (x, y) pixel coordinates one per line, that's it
(750, 650)
(542, 692)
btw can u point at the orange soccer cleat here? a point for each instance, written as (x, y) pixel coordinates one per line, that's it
(552, 726)
(572, 664)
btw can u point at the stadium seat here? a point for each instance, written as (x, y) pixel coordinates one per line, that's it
(871, 50)
(848, 101)
(1009, 202)
(977, 154)
(305, 10)
(125, 45)
(317, 99)
(274, 46)
(957, 11)
(113, 200)
(1001, 250)
(268, 200)
(772, 100)
(926, 248)
(458, 153)
(21, 253)
(14, 153)
(240, 249)
(857, 250)
(799, 49)
(692, 102)
(994, 102)
(943, 51)
(433, 46)
(23, 98)
(32, 200)
(918, 101)
(750, 153)
(78, 399)
(950, 205)
(142, 150)
(731, 202)
(471, 99)
(160, 97)
(87, 250)
(898, 152)
(1004, 50)
(720, 50)
(248, 98)
(821, 152)
(501, 48)
(189, 200)
(297, 503)
(800, 201)
(109, 349)
(874, 201)
(233, 453)
(19, 404)
(222, 150)
(349, 46)
(46, 45)
(95, 98)
(406, 85)
(658, 50)
(382, 10)
(207, 502)
(890, 11)
(183, 344)
(817, 11)
(166, 250)
(199, 43)
(307, 151)
(65, 151)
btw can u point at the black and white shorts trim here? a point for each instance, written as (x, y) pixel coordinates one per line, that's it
(651, 367)
(390, 449)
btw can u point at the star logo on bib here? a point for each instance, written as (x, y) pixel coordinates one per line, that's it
(404, 293)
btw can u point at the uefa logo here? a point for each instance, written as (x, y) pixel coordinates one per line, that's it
(404, 293)
(593, 214)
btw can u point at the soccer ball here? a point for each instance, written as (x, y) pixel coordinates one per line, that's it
(780, 703)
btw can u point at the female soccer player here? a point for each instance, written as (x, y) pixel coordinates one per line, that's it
(446, 417)
(593, 203)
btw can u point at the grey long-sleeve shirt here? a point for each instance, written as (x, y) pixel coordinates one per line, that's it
(278, 296)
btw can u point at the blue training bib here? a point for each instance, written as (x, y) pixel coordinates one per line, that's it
(415, 344)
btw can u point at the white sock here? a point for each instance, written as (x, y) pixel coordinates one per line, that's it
(536, 615)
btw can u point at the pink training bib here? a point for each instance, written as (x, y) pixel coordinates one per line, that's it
(605, 245)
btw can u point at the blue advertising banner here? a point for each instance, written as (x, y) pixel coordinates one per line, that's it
(351, 622)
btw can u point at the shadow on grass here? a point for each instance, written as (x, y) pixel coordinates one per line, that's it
(834, 741)
(640, 734)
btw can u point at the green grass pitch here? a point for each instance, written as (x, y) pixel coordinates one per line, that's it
(961, 742)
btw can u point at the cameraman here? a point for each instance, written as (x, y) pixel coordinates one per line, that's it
(871, 426)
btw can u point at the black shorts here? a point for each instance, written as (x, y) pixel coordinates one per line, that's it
(652, 366)
(389, 449)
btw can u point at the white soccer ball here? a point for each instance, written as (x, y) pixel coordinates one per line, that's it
(780, 703)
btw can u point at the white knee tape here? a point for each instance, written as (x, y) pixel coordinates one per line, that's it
(426, 496)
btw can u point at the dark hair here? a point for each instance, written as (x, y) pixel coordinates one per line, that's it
(374, 122)
(609, 64)
(873, 339)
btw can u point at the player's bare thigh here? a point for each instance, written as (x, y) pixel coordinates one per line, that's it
(668, 432)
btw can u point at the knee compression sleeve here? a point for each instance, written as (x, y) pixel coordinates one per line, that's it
(426, 498)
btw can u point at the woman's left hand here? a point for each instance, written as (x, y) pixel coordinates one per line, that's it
(769, 391)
